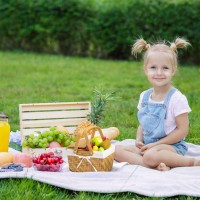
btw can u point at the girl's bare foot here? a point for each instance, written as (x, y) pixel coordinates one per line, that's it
(163, 167)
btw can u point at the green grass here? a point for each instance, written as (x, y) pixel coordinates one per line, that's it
(31, 78)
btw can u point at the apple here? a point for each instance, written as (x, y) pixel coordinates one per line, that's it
(97, 141)
(23, 158)
(54, 144)
(101, 149)
(105, 138)
(87, 148)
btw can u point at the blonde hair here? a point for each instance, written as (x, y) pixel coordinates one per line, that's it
(141, 45)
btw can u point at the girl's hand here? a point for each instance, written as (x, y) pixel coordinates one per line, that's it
(147, 147)
(139, 144)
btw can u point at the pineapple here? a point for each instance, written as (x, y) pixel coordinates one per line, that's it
(97, 111)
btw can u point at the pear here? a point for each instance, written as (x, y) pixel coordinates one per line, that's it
(105, 144)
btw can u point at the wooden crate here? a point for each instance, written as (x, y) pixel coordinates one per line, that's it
(41, 116)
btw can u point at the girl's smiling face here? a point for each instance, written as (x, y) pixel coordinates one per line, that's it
(158, 69)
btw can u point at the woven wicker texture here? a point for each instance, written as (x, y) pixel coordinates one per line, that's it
(90, 164)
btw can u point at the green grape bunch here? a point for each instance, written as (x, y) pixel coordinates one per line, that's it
(43, 139)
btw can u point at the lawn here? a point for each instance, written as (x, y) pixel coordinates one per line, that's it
(36, 78)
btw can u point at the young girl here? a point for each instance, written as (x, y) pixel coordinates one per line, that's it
(162, 113)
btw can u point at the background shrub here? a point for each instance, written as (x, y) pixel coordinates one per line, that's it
(103, 29)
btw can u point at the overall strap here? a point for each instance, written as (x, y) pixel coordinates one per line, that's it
(167, 99)
(146, 96)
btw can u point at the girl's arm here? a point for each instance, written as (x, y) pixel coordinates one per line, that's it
(139, 138)
(175, 136)
(139, 135)
(179, 133)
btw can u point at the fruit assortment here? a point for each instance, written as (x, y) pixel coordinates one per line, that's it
(56, 137)
(99, 144)
(22, 159)
(49, 139)
(52, 138)
(48, 162)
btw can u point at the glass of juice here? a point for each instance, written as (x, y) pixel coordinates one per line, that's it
(4, 133)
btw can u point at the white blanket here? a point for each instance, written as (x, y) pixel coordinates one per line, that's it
(124, 178)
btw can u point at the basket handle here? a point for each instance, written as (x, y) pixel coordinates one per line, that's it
(92, 129)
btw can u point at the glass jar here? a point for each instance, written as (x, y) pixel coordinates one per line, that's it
(4, 133)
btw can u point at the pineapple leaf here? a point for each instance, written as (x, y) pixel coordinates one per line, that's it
(98, 105)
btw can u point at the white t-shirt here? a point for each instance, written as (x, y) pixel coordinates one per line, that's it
(178, 105)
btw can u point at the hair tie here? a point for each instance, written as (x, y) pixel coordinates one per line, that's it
(173, 47)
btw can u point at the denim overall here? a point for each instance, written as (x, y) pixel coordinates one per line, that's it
(152, 116)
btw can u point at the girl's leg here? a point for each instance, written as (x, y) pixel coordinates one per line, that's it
(130, 154)
(167, 154)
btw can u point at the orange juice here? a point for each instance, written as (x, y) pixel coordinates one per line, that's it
(4, 133)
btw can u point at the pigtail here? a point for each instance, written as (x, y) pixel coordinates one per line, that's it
(179, 43)
(139, 46)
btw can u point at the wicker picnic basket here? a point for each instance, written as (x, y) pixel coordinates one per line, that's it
(81, 160)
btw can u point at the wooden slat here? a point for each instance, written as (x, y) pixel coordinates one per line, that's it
(30, 131)
(55, 106)
(48, 123)
(54, 114)
(41, 116)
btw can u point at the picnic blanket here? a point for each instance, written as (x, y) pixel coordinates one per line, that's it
(124, 178)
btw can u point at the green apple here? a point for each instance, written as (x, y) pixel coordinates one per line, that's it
(101, 149)
(97, 141)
